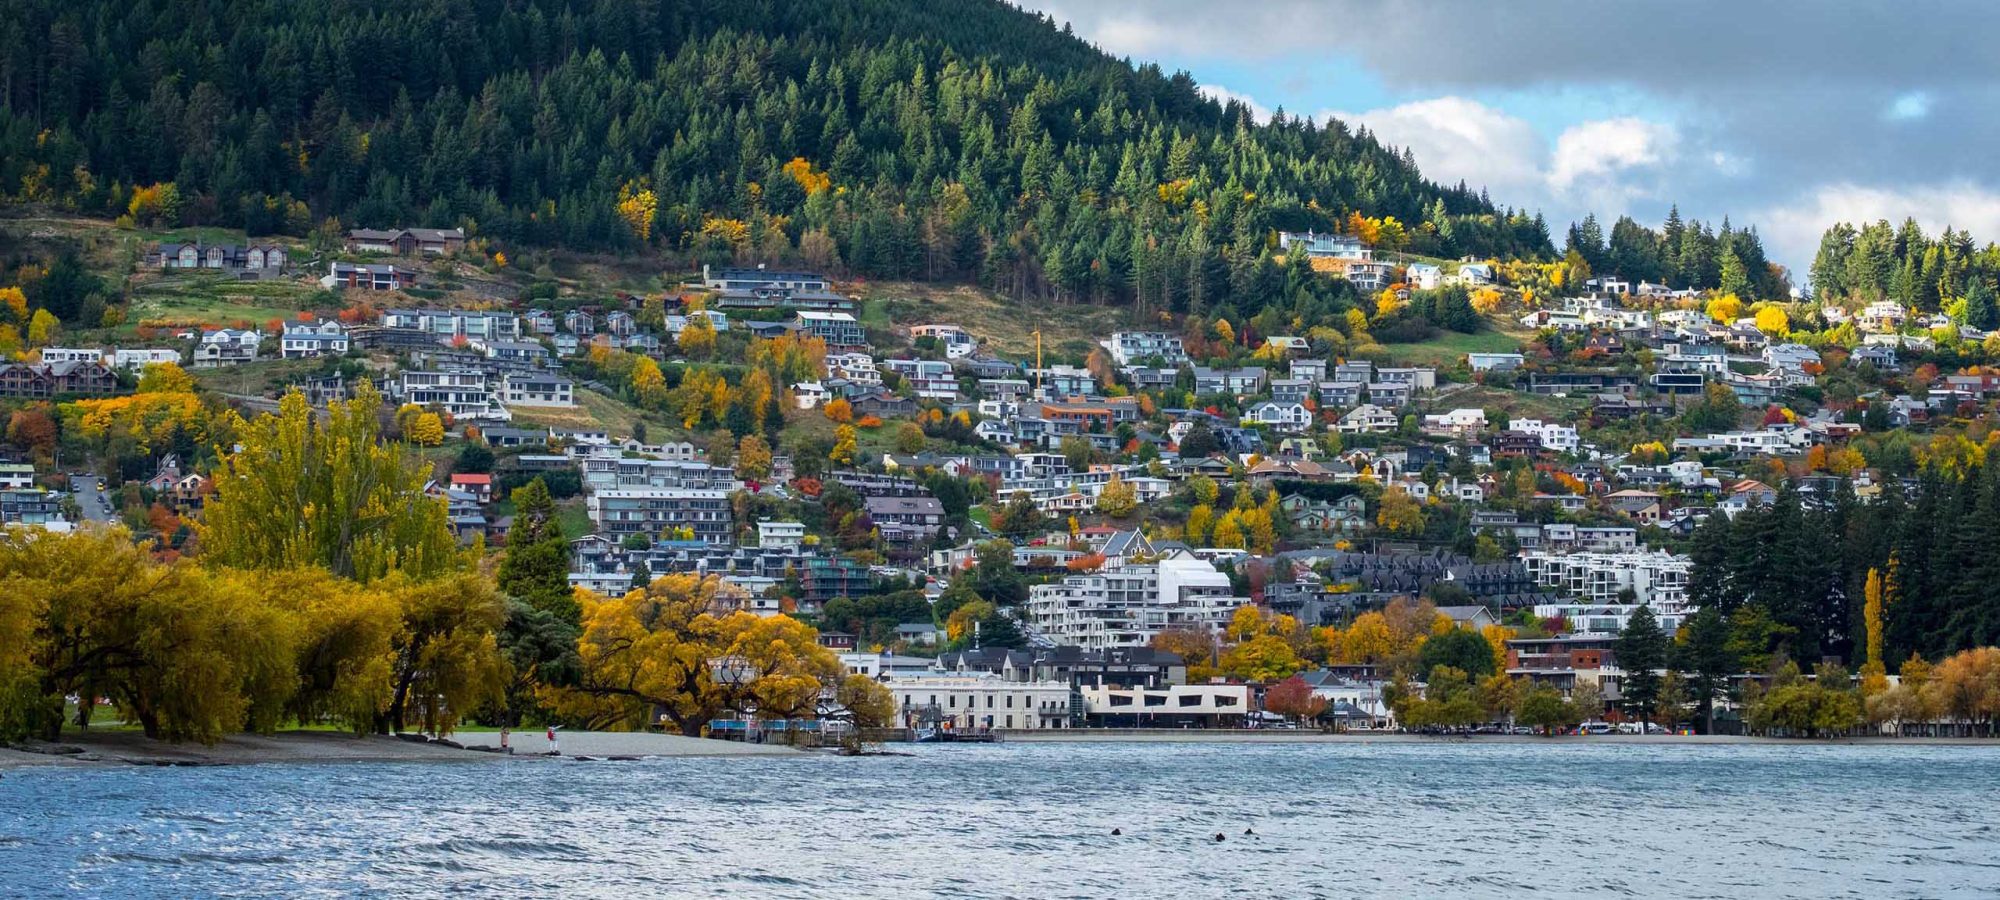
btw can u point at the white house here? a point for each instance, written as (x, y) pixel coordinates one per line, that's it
(1367, 419)
(226, 346)
(538, 390)
(1281, 416)
(305, 340)
(1462, 422)
(1424, 276)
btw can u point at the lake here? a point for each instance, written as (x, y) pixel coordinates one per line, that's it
(1034, 821)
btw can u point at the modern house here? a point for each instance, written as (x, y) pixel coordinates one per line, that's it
(549, 391)
(306, 340)
(406, 241)
(367, 277)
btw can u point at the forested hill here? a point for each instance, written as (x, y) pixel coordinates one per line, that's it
(948, 139)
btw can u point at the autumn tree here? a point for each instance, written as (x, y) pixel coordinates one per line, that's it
(697, 338)
(670, 649)
(1117, 499)
(1399, 513)
(838, 410)
(1294, 699)
(844, 446)
(753, 458)
(636, 207)
(300, 491)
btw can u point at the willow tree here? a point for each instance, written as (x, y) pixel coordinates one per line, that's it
(306, 491)
(673, 650)
(187, 653)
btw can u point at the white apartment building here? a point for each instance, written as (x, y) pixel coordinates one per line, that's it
(1655, 577)
(780, 535)
(463, 394)
(1554, 436)
(930, 378)
(979, 701)
(1127, 607)
(1128, 347)
(450, 323)
(1587, 618)
(551, 391)
(143, 357)
(54, 355)
(856, 367)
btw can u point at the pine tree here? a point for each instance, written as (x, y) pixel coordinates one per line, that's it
(535, 567)
(1642, 652)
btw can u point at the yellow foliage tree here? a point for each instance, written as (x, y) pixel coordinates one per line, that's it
(838, 410)
(303, 492)
(648, 384)
(42, 327)
(844, 446)
(636, 207)
(1773, 321)
(165, 378)
(1725, 309)
(426, 429)
(677, 650)
(697, 340)
(1399, 513)
(15, 302)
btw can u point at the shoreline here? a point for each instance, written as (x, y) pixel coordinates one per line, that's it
(1202, 736)
(130, 749)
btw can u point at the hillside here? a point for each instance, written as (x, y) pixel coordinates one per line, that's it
(953, 141)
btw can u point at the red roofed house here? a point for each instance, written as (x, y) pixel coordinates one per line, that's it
(480, 486)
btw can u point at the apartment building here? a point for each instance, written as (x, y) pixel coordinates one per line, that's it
(654, 511)
(1127, 607)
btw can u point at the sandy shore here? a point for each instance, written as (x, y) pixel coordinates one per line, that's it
(130, 748)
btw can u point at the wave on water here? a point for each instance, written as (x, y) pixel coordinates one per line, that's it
(1028, 820)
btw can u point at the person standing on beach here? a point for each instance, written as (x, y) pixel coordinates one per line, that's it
(554, 750)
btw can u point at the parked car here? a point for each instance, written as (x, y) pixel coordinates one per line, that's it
(1595, 728)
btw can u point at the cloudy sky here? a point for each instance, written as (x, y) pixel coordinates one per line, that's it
(1786, 114)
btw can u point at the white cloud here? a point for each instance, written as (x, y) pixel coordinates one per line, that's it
(1596, 151)
(1456, 139)
(1792, 230)
(1223, 95)
(1908, 107)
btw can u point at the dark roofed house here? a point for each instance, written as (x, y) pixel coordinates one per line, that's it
(406, 241)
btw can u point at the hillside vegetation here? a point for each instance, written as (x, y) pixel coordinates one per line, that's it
(954, 140)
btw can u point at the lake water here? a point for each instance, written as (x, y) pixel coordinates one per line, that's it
(1034, 821)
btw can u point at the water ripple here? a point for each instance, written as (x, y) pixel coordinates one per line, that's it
(1024, 820)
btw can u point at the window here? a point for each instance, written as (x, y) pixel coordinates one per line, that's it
(1010, 721)
(1156, 699)
(1010, 701)
(1121, 700)
(1187, 700)
(1224, 700)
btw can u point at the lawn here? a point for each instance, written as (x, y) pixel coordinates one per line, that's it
(593, 410)
(1448, 347)
(1005, 327)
